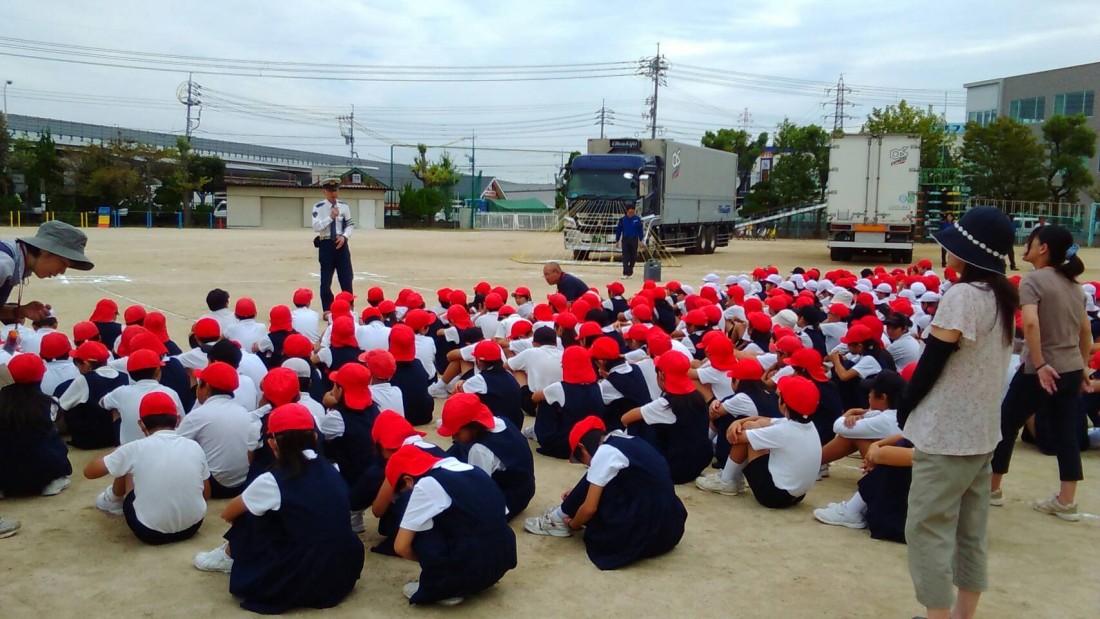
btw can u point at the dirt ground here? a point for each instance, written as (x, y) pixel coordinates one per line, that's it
(736, 559)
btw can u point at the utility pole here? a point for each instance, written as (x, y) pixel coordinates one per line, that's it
(349, 134)
(6, 84)
(746, 120)
(604, 116)
(655, 68)
(189, 94)
(840, 104)
(473, 166)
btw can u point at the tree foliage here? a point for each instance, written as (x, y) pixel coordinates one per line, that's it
(742, 144)
(799, 172)
(442, 174)
(5, 155)
(40, 165)
(905, 118)
(1070, 144)
(123, 174)
(421, 205)
(1003, 161)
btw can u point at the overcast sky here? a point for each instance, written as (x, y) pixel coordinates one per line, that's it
(934, 46)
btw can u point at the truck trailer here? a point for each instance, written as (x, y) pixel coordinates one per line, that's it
(872, 195)
(684, 194)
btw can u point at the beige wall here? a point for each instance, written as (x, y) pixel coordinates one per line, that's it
(246, 206)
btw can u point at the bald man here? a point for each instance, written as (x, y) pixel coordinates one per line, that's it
(569, 285)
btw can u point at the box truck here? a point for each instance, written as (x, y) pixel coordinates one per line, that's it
(872, 195)
(684, 194)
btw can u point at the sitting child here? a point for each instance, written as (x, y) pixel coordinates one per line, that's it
(561, 405)
(223, 428)
(33, 458)
(162, 476)
(860, 427)
(626, 502)
(90, 425)
(882, 501)
(494, 385)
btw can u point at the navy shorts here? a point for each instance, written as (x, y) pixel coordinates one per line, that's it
(764, 488)
(150, 536)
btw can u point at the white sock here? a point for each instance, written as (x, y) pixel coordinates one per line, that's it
(856, 506)
(557, 514)
(732, 470)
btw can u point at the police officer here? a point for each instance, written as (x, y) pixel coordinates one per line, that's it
(333, 224)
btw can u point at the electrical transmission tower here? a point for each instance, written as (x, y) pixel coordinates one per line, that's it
(604, 117)
(189, 94)
(840, 104)
(655, 68)
(746, 120)
(347, 131)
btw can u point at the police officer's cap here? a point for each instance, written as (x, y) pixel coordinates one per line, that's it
(330, 183)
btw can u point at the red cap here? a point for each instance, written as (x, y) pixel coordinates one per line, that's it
(461, 409)
(457, 297)
(840, 310)
(576, 366)
(370, 312)
(543, 313)
(520, 329)
(605, 348)
(343, 332)
(302, 297)
(459, 317)
(557, 301)
(874, 325)
(290, 417)
(565, 321)
(482, 288)
(522, 291)
(157, 325)
(375, 294)
(642, 312)
(810, 360)
(157, 403)
(91, 351)
(778, 302)
(207, 329)
(408, 460)
(857, 333)
(391, 429)
(55, 345)
(27, 368)
(580, 309)
(582, 427)
(713, 314)
(674, 367)
(753, 304)
(354, 379)
(298, 346)
(759, 321)
(674, 286)
(128, 336)
(657, 342)
(800, 394)
(380, 363)
(506, 311)
(84, 331)
(417, 319)
(493, 301)
(387, 307)
(865, 298)
(245, 308)
(148, 341)
(134, 315)
(143, 360)
(414, 301)
(696, 318)
(345, 296)
(280, 319)
(590, 329)
(788, 344)
(340, 307)
(747, 369)
(220, 376)
(902, 306)
(403, 343)
(487, 350)
(637, 331)
(280, 386)
(907, 371)
(615, 288)
(106, 310)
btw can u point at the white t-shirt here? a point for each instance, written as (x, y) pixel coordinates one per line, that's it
(247, 395)
(717, 380)
(658, 412)
(246, 333)
(194, 359)
(127, 401)
(168, 472)
(224, 316)
(740, 405)
(58, 372)
(373, 335)
(305, 321)
(253, 367)
(865, 365)
(263, 494)
(482, 457)
(833, 331)
(607, 462)
(488, 323)
(607, 390)
(542, 364)
(904, 350)
(78, 393)
(795, 450)
(429, 499)
(425, 353)
(387, 396)
(225, 431)
(329, 422)
(649, 370)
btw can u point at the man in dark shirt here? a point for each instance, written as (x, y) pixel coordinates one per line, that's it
(629, 229)
(569, 285)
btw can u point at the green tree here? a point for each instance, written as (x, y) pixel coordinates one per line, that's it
(5, 155)
(904, 118)
(442, 173)
(121, 173)
(742, 144)
(1003, 161)
(420, 205)
(1070, 144)
(40, 166)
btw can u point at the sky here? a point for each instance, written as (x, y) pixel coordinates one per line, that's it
(773, 59)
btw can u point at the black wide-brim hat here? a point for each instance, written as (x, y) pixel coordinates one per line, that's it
(983, 238)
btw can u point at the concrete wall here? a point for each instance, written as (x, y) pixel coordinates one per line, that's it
(246, 206)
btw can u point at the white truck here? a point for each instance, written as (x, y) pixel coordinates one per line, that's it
(872, 195)
(684, 194)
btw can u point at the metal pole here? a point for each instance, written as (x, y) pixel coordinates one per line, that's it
(1092, 222)
(6, 84)
(473, 159)
(392, 197)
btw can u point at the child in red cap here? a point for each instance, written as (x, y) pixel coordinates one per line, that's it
(561, 405)
(223, 428)
(373, 333)
(623, 385)
(626, 503)
(33, 458)
(304, 319)
(410, 378)
(779, 458)
(246, 331)
(269, 348)
(90, 425)
(492, 444)
(290, 541)
(382, 368)
(353, 450)
(163, 476)
(493, 384)
(454, 527)
(144, 369)
(105, 318)
(537, 366)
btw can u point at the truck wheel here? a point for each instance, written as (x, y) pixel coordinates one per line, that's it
(711, 239)
(696, 246)
(837, 254)
(580, 254)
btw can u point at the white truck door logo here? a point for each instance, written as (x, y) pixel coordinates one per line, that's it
(899, 156)
(676, 164)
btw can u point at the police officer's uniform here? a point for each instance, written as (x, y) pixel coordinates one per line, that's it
(331, 258)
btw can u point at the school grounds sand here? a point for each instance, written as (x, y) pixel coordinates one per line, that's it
(736, 559)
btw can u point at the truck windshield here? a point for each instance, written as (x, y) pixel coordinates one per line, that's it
(600, 184)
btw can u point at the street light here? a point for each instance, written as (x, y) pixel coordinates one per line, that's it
(6, 84)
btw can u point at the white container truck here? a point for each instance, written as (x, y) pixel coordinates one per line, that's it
(872, 195)
(684, 194)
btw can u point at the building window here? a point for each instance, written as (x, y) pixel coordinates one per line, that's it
(1073, 103)
(982, 117)
(1028, 111)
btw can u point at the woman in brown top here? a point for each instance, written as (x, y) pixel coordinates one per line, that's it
(1058, 338)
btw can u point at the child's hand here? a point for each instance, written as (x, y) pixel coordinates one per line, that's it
(564, 495)
(850, 420)
(715, 409)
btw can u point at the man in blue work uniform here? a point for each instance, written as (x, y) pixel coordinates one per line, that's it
(629, 229)
(333, 224)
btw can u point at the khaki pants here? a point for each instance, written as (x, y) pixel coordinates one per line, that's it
(946, 526)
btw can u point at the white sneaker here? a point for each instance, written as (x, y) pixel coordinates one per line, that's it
(56, 486)
(9, 527)
(108, 502)
(438, 390)
(823, 472)
(410, 589)
(455, 601)
(997, 497)
(546, 524)
(714, 483)
(1068, 513)
(357, 524)
(529, 432)
(837, 514)
(214, 561)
